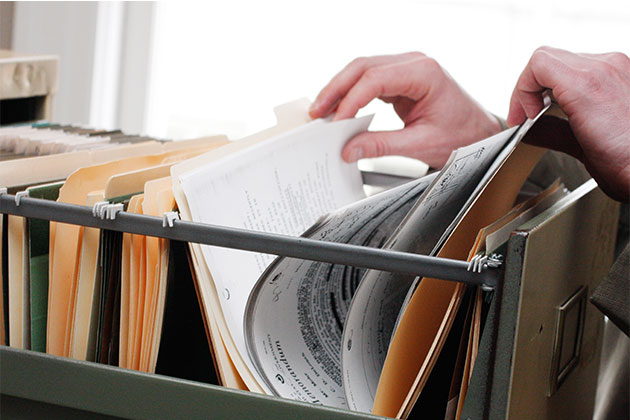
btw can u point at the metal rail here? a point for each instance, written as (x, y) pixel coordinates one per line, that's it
(288, 246)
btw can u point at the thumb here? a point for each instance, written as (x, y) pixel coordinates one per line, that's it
(524, 105)
(382, 143)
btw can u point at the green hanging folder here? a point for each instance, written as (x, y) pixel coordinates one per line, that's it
(38, 255)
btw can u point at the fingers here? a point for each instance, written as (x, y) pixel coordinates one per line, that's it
(541, 73)
(338, 87)
(379, 143)
(412, 79)
(411, 141)
(567, 74)
(592, 90)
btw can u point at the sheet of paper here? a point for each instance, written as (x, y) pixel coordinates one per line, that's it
(156, 335)
(233, 370)
(366, 328)
(136, 291)
(227, 372)
(56, 167)
(166, 203)
(509, 222)
(158, 198)
(26, 171)
(62, 265)
(19, 333)
(503, 154)
(86, 281)
(501, 233)
(123, 185)
(152, 256)
(282, 186)
(297, 310)
(129, 292)
(426, 320)
(126, 183)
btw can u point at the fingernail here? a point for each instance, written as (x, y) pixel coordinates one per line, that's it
(356, 154)
(314, 113)
(338, 117)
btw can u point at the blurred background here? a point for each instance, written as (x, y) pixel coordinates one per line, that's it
(177, 69)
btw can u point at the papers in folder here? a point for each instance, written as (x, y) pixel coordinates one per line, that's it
(66, 283)
(311, 331)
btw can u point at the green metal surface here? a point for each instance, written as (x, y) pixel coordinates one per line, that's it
(65, 388)
(488, 392)
(508, 314)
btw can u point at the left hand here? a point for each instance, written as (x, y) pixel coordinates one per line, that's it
(439, 115)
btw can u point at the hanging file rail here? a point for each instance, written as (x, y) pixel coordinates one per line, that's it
(287, 246)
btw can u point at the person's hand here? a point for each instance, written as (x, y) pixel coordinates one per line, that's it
(594, 91)
(439, 115)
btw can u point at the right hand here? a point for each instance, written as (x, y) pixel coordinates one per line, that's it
(594, 91)
(439, 115)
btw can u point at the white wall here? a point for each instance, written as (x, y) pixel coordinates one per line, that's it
(135, 66)
(221, 66)
(104, 50)
(66, 30)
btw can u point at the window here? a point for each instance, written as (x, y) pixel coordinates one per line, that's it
(220, 67)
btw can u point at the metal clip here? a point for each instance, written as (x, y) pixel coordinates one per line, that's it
(481, 263)
(169, 217)
(495, 260)
(473, 260)
(98, 209)
(19, 195)
(113, 209)
(477, 262)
